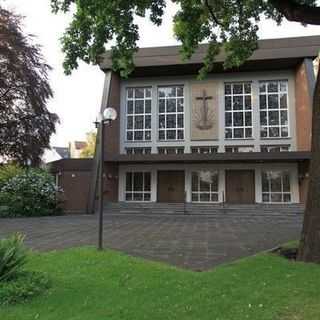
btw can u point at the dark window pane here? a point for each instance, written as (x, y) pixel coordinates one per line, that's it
(147, 106)
(247, 102)
(171, 105)
(180, 105)
(171, 134)
(283, 101)
(138, 135)
(129, 122)
(130, 107)
(248, 132)
(247, 87)
(274, 118)
(129, 135)
(286, 182)
(274, 132)
(284, 117)
(138, 122)
(147, 181)
(147, 135)
(139, 104)
(228, 103)
(205, 197)
(263, 102)
(286, 197)
(228, 133)
(262, 87)
(195, 197)
(273, 86)
(273, 102)
(171, 121)
(128, 181)
(263, 118)
(227, 88)
(266, 197)
(138, 196)
(180, 121)
(162, 105)
(139, 93)
(237, 103)
(180, 134)
(276, 197)
(284, 132)
(128, 196)
(179, 91)
(162, 123)
(248, 116)
(264, 132)
(161, 135)
(147, 197)
(283, 86)
(238, 133)
(130, 92)
(237, 88)
(238, 119)
(228, 119)
(147, 122)
(137, 181)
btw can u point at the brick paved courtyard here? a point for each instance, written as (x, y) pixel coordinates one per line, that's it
(194, 242)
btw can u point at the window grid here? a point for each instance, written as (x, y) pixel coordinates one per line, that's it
(138, 111)
(238, 110)
(205, 191)
(275, 148)
(273, 98)
(170, 150)
(276, 187)
(204, 150)
(236, 149)
(171, 113)
(138, 150)
(143, 193)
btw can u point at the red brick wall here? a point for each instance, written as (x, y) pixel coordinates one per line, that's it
(303, 109)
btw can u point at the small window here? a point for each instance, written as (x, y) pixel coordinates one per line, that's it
(235, 149)
(171, 150)
(279, 148)
(205, 186)
(276, 186)
(138, 186)
(138, 150)
(204, 150)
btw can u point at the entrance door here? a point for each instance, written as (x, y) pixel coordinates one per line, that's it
(240, 186)
(170, 186)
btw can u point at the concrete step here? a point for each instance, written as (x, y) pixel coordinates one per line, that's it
(202, 209)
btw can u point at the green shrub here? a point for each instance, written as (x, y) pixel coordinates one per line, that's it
(12, 257)
(22, 288)
(9, 171)
(31, 193)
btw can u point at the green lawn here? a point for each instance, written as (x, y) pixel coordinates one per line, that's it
(91, 285)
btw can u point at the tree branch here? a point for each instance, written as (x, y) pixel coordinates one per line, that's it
(294, 11)
(213, 16)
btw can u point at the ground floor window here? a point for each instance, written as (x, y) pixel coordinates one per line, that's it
(204, 150)
(138, 186)
(276, 186)
(205, 186)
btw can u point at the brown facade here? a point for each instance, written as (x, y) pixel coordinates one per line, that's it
(303, 106)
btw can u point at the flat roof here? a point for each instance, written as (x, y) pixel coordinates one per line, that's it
(281, 50)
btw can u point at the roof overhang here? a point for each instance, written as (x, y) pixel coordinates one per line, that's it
(272, 54)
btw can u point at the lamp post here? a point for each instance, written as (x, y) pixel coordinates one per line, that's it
(108, 115)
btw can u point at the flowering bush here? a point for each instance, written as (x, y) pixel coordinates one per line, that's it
(31, 193)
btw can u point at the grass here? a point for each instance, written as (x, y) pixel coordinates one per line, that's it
(91, 285)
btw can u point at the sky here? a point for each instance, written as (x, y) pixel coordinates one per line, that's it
(77, 97)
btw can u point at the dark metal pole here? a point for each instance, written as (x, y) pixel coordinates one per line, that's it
(101, 189)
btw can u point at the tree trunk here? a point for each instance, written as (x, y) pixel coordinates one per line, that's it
(309, 250)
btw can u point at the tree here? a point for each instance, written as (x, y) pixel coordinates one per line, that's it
(25, 123)
(228, 24)
(89, 150)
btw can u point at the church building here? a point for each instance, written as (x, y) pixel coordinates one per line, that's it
(240, 136)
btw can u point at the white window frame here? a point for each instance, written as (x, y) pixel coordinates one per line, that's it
(144, 114)
(270, 192)
(210, 192)
(165, 129)
(279, 109)
(242, 111)
(132, 192)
